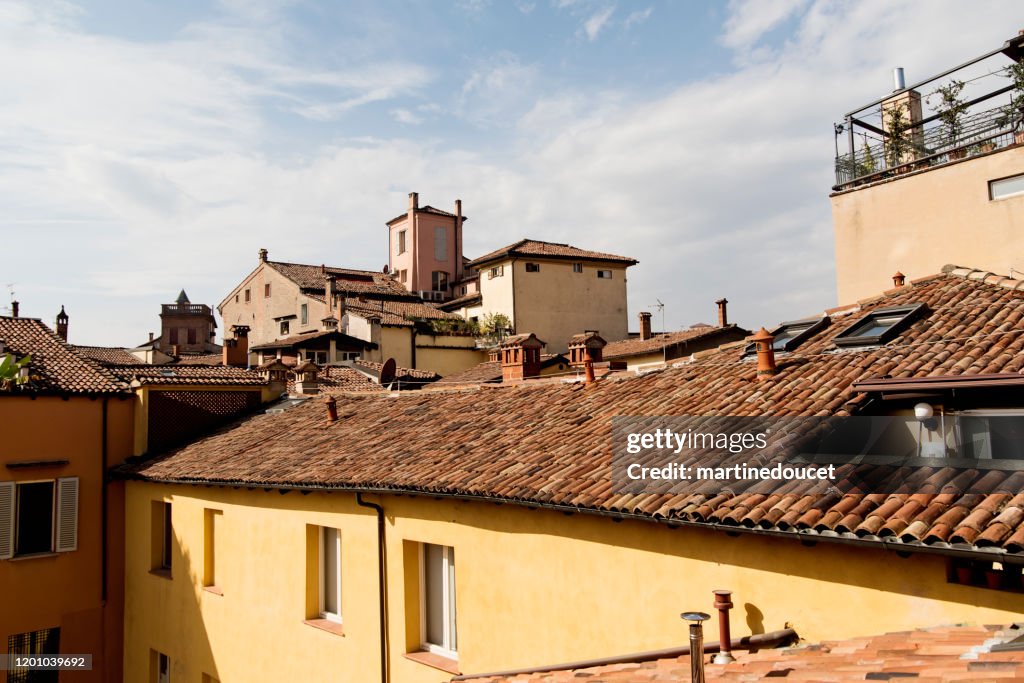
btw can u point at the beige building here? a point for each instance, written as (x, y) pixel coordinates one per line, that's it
(934, 187)
(553, 290)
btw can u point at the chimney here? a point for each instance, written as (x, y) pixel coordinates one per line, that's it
(898, 279)
(332, 409)
(723, 603)
(899, 82)
(586, 348)
(696, 644)
(62, 324)
(15, 306)
(306, 378)
(645, 326)
(909, 102)
(414, 201)
(150, 336)
(275, 373)
(494, 355)
(520, 357)
(723, 313)
(263, 255)
(236, 350)
(763, 341)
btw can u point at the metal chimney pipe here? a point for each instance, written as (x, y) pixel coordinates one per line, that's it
(696, 644)
(899, 83)
(723, 603)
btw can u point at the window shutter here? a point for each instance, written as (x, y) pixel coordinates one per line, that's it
(6, 520)
(67, 514)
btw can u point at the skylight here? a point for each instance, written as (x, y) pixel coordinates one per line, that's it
(879, 326)
(792, 334)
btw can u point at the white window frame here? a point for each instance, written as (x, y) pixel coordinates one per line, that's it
(496, 271)
(604, 274)
(63, 516)
(324, 613)
(993, 186)
(447, 599)
(577, 267)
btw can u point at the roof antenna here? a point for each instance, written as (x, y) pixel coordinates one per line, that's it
(664, 338)
(10, 288)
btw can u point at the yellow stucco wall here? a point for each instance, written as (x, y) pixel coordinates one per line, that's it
(533, 586)
(919, 223)
(447, 354)
(65, 589)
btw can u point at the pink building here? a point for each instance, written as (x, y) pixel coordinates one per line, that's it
(425, 249)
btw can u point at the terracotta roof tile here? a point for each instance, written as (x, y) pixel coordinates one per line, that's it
(528, 247)
(637, 346)
(932, 655)
(551, 442)
(311, 278)
(107, 355)
(188, 374)
(56, 367)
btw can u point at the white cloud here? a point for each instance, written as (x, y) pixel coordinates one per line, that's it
(749, 20)
(637, 17)
(597, 22)
(405, 116)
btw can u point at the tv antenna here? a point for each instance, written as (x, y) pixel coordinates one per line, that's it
(664, 340)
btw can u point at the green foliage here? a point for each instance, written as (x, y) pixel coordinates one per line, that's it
(1014, 111)
(495, 326)
(867, 165)
(453, 326)
(896, 145)
(951, 108)
(10, 371)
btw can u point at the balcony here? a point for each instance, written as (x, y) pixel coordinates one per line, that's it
(975, 110)
(185, 309)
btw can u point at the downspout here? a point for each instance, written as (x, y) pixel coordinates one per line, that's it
(104, 544)
(382, 581)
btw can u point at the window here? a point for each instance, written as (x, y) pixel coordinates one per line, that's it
(879, 326)
(173, 336)
(532, 267)
(304, 314)
(1006, 187)
(285, 327)
(462, 291)
(266, 290)
(401, 241)
(318, 357)
(210, 523)
(604, 274)
(438, 600)
(161, 537)
(160, 667)
(347, 355)
(496, 271)
(191, 335)
(441, 244)
(236, 298)
(30, 522)
(330, 574)
(439, 281)
(790, 335)
(403, 275)
(577, 267)
(43, 642)
(248, 296)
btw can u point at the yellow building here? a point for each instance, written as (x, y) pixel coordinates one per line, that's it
(933, 190)
(61, 528)
(407, 538)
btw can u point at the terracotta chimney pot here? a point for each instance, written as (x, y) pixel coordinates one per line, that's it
(723, 315)
(898, 279)
(645, 326)
(332, 409)
(765, 354)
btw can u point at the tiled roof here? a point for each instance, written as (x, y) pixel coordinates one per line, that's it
(637, 346)
(108, 355)
(550, 443)
(932, 655)
(298, 339)
(333, 379)
(312, 279)
(470, 299)
(528, 247)
(426, 209)
(399, 313)
(188, 374)
(56, 367)
(401, 374)
(200, 359)
(489, 372)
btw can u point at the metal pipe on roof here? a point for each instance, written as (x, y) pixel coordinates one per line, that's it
(759, 641)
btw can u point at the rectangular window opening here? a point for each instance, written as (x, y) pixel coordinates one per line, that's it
(577, 267)
(330, 574)
(532, 267)
(440, 244)
(604, 274)
(42, 642)
(401, 241)
(1006, 187)
(304, 314)
(438, 600)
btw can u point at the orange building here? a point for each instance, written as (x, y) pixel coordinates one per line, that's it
(61, 529)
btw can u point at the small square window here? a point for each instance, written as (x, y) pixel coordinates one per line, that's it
(577, 267)
(403, 275)
(496, 271)
(604, 274)
(879, 326)
(532, 267)
(439, 281)
(1006, 187)
(43, 642)
(285, 327)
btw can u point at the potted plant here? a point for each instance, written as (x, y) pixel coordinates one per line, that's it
(1013, 114)
(950, 109)
(897, 123)
(867, 165)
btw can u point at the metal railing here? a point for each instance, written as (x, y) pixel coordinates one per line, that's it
(926, 147)
(183, 309)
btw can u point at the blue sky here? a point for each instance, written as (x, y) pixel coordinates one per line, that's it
(148, 146)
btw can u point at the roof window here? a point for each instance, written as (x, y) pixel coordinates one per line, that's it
(880, 326)
(793, 333)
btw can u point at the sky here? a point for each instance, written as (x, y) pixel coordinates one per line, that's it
(150, 146)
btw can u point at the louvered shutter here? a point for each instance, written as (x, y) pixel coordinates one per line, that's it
(67, 514)
(6, 520)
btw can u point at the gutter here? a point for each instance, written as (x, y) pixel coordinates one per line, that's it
(382, 584)
(890, 544)
(760, 641)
